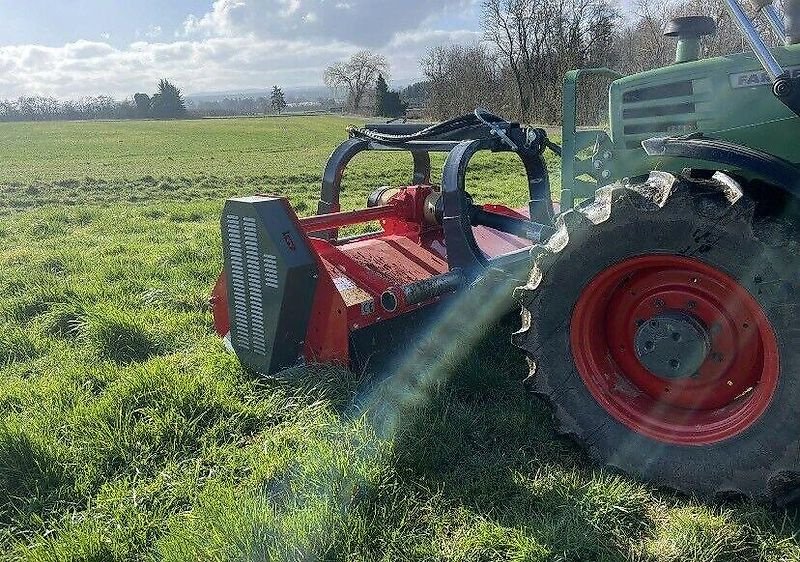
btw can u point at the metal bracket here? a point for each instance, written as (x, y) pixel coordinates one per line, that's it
(574, 141)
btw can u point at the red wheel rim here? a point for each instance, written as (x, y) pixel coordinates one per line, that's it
(735, 383)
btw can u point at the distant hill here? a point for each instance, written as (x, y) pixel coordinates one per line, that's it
(299, 93)
(292, 93)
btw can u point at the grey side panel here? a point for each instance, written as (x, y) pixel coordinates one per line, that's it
(272, 276)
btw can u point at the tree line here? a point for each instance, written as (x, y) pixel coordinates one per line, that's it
(517, 69)
(43, 108)
(274, 102)
(529, 45)
(166, 103)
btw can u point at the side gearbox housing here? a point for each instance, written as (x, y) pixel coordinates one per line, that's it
(271, 280)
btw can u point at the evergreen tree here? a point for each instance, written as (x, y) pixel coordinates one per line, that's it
(277, 101)
(168, 102)
(142, 102)
(381, 89)
(387, 103)
(393, 106)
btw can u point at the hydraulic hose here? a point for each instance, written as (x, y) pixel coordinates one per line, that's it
(480, 120)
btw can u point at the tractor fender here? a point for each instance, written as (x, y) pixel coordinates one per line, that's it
(754, 164)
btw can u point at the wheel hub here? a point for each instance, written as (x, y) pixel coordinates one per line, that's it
(675, 349)
(672, 345)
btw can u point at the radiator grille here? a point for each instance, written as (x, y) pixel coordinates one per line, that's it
(666, 109)
(662, 91)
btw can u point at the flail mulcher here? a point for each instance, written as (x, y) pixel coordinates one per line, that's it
(659, 309)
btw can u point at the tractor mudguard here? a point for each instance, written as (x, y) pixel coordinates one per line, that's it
(755, 163)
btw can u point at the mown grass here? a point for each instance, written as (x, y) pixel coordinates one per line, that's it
(127, 432)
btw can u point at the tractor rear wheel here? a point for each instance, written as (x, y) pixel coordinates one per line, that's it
(660, 324)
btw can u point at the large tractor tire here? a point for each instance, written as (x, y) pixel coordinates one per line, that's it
(661, 324)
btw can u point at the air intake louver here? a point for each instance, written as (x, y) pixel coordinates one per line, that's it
(658, 110)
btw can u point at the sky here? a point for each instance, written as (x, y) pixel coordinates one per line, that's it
(75, 48)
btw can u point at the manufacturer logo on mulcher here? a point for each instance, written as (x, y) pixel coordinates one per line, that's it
(289, 241)
(758, 78)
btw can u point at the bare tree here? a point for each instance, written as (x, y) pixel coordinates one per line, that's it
(461, 78)
(358, 75)
(541, 39)
(642, 43)
(517, 28)
(728, 38)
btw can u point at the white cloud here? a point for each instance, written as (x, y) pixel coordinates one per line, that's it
(89, 68)
(407, 48)
(238, 44)
(364, 22)
(153, 31)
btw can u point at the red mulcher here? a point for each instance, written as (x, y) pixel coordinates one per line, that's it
(293, 292)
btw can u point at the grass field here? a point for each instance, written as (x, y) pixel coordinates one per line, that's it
(128, 433)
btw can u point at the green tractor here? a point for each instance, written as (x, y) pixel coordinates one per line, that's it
(659, 318)
(658, 315)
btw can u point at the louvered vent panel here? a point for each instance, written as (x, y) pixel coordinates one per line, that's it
(271, 271)
(254, 284)
(248, 278)
(239, 311)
